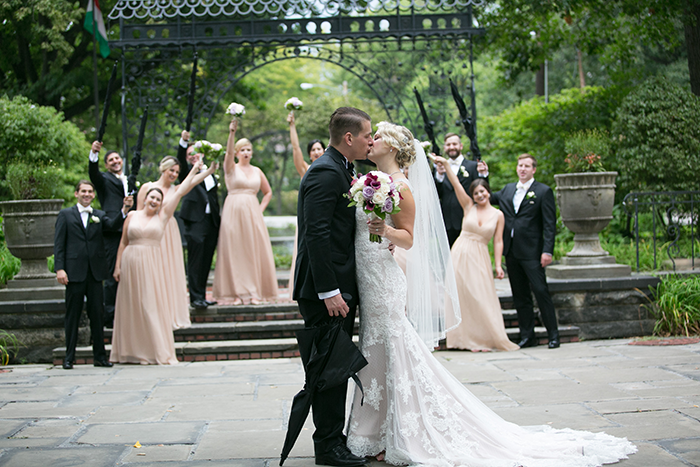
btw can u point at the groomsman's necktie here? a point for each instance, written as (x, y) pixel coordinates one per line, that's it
(519, 196)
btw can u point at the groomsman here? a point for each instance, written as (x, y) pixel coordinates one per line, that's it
(80, 264)
(200, 214)
(111, 188)
(528, 243)
(467, 171)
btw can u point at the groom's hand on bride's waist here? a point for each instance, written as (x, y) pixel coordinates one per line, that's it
(336, 306)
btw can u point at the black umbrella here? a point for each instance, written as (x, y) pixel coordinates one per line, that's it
(330, 357)
(105, 107)
(190, 96)
(136, 160)
(469, 124)
(427, 123)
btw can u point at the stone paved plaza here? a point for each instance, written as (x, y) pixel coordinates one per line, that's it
(234, 413)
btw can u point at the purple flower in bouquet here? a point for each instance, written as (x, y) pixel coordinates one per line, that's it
(376, 193)
(388, 205)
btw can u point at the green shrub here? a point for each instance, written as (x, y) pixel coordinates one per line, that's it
(657, 139)
(40, 137)
(9, 346)
(676, 306)
(541, 129)
(33, 181)
(9, 265)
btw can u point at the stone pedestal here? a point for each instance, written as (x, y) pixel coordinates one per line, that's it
(592, 267)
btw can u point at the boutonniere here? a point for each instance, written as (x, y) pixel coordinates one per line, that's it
(530, 195)
(94, 220)
(463, 171)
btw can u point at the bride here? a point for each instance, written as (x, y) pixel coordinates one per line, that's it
(415, 412)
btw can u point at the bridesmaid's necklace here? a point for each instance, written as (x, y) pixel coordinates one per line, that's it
(394, 173)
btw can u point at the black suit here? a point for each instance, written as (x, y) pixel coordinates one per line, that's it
(110, 192)
(533, 229)
(452, 211)
(326, 262)
(201, 229)
(80, 252)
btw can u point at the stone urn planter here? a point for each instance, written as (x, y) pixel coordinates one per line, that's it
(586, 203)
(29, 231)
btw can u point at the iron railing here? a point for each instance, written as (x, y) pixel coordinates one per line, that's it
(667, 218)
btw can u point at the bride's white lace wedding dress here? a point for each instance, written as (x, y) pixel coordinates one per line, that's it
(418, 413)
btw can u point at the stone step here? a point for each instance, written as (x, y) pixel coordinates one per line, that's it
(12, 294)
(263, 324)
(271, 348)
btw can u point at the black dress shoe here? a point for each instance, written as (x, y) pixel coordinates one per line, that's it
(553, 343)
(103, 362)
(528, 342)
(210, 303)
(67, 365)
(340, 456)
(199, 304)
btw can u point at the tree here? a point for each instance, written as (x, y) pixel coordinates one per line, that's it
(657, 139)
(523, 33)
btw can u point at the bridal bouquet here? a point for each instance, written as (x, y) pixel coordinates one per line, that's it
(294, 104)
(235, 110)
(212, 151)
(378, 196)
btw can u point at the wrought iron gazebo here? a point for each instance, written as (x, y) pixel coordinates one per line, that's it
(158, 39)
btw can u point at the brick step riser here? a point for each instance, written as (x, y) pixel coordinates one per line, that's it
(215, 356)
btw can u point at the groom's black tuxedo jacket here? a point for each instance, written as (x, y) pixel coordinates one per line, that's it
(533, 227)
(76, 247)
(326, 230)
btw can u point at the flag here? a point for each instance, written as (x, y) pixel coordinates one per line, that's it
(94, 14)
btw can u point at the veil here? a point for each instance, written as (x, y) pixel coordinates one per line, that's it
(432, 302)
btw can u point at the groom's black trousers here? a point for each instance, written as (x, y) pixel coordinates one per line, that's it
(328, 407)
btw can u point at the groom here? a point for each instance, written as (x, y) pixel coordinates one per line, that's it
(324, 274)
(528, 243)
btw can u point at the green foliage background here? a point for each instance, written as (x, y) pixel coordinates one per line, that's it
(657, 139)
(39, 136)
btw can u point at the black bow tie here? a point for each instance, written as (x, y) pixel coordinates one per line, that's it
(351, 169)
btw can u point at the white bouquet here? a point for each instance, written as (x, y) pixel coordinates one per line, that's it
(235, 109)
(378, 196)
(212, 151)
(293, 104)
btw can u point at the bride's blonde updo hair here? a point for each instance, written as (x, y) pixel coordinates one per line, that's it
(166, 163)
(401, 139)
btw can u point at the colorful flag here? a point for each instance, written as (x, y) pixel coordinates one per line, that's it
(94, 14)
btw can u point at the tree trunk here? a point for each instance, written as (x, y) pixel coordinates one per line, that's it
(581, 75)
(692, 43)
(539, 81)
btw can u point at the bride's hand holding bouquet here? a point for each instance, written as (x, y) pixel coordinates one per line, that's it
(378, 196)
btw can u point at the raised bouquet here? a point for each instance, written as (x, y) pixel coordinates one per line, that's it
(235, 110)
(293, 104)
(378, 196)
(212, 151)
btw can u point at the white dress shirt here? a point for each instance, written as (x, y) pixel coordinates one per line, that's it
(520, 191)
(84, 214)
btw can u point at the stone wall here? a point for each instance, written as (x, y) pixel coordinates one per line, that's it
(605, 308)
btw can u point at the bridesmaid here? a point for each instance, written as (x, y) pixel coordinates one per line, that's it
(142, 325)
(482, 328)
(314, 149)
(245, 268)
(171, 247)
